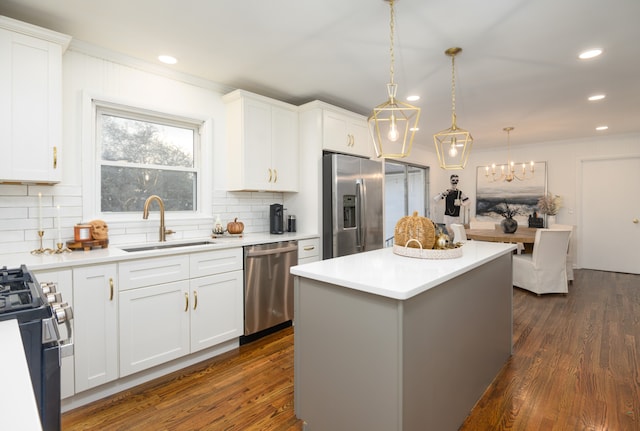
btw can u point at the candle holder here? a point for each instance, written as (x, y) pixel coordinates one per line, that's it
(61, 249)
(41, 250)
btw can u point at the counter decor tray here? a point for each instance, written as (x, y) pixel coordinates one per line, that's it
(88, 245)
(226, 234)
(420, 253)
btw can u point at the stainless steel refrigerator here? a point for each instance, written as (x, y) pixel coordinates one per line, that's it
(352, 205)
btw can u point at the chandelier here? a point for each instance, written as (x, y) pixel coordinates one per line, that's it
(393, 124)
(508, 172)
(453, 145)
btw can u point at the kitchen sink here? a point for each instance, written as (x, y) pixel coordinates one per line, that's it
(166, 245)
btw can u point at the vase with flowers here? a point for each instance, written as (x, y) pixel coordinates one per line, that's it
(509, 224)
(549, 205)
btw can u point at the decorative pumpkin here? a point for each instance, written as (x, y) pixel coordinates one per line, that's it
(417, 228)
(235, 226)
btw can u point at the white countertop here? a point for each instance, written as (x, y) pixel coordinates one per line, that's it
(17, 401)
(115, 253)
(381, 272)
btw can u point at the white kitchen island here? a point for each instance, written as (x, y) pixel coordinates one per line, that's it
(385, 342)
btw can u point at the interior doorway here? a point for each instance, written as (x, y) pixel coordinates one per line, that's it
(610, 215)
(406, 189)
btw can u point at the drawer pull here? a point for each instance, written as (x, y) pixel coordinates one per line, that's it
(186, 302)
(309, 248)
(110, 289)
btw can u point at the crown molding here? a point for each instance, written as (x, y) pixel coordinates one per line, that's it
(35, 31)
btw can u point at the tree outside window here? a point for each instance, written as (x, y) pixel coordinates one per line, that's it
(141, 156)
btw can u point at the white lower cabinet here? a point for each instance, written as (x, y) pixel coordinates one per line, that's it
(154, 325)
(308, 250)
(216, 313)
(95, 306)
(160, 321)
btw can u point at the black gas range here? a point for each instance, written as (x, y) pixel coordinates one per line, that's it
(39, 310)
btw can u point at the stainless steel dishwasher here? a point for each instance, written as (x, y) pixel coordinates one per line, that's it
(268, 285)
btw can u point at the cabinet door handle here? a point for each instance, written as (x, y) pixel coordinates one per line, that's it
(110, 289)
(309, 248)
(195, 299)
(270, 174)
(55, 157)
(275, 171)
(186, 302)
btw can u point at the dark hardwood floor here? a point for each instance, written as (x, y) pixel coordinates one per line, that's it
(575, 362)
(575, 366)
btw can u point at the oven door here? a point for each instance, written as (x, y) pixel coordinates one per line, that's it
(44, 369)
(49, 404)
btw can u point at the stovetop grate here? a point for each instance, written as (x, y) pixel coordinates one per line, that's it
(19, 292)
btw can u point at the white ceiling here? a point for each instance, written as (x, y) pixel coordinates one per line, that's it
(518, 67)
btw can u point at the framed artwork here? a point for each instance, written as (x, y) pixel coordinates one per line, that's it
(521, 195)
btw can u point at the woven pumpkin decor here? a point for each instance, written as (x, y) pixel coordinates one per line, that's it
(417, 228)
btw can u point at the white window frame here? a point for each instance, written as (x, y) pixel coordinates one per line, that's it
(91, 158)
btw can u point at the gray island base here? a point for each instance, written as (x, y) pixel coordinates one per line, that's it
(415, 358)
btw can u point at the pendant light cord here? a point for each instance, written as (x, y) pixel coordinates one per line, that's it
(392, 26)
(453, 85)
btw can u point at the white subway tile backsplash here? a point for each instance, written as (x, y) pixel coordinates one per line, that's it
(13, 190)
(14, 235)
(19, 217)
(16, 212)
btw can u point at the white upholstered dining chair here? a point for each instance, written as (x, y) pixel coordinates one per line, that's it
(569, 248)
(459, 234)
(544, 270)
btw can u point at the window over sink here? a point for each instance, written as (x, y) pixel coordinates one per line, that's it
(141, 153)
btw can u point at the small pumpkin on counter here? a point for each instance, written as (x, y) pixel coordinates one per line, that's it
(416, 228)
(235, 226)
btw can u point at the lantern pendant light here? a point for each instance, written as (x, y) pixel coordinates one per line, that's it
(393, 124)
(453, 145)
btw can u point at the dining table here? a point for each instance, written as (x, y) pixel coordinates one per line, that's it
(524, 235)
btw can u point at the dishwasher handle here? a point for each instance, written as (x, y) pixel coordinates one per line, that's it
(287, 249)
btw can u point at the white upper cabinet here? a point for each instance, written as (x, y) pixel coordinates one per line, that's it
(262, 143)
(346, 132)
(30, 102)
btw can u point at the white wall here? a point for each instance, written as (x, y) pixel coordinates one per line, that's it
(129, 81)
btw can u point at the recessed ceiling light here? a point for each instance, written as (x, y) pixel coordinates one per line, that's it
(167, 59)
(591, 53)
(413, 98)
(414, 129)
(596, 97)
(601, 128)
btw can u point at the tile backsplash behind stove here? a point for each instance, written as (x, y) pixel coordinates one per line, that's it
(19, 217)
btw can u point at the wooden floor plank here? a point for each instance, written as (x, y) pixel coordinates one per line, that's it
(575, 366)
